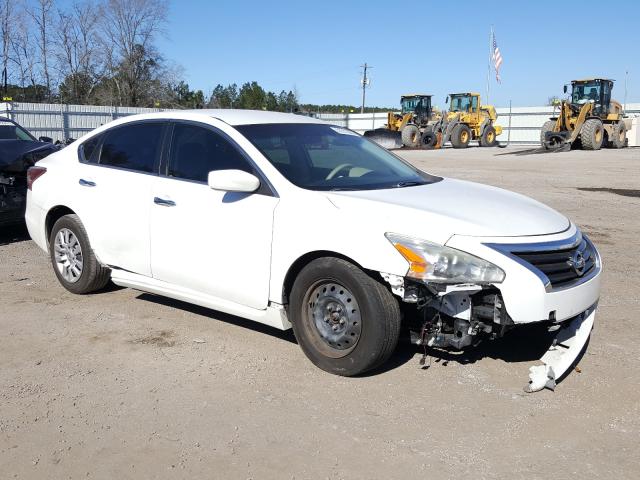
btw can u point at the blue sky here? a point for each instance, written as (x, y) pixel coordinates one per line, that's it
(433, 47)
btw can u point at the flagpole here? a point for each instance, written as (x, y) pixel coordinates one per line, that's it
(489, 63)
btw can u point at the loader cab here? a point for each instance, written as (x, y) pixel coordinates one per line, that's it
(415, 103)
(464, 102)
(596, 90)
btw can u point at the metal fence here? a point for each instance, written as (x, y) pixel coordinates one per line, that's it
(521, 125)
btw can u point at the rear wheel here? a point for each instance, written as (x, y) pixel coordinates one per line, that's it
(618, 137)
(460, 136)
(488, 138)
(548, 126)
(592, 134)
(73, 260)
(345, 322)
(411, 136)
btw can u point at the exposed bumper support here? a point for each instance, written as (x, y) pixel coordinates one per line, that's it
(566, 347)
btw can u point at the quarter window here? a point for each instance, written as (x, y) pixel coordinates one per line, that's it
(88, 148)
(195, 151)
(134, 147)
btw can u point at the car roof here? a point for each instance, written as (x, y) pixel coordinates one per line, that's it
(230, 116)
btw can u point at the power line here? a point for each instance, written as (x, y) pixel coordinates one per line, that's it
(365, 83)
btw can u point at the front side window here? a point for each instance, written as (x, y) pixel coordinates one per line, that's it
(134, 147)
(196, 151)
(324, 157)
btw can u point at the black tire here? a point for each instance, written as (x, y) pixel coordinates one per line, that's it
(488, 138)
(410, 136)
(592, 134)
(548, 126)
(460, 136)
(372, 325)
(618, 137)
(428, 139)
(92, 276)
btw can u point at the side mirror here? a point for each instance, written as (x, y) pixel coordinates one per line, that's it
(45, 139)
(447, 99)
(565, 89)
(233, 181)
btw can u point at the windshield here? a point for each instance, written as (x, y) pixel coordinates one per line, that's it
(463, 103)
(11, 131)
(585, 92)
(325, 157)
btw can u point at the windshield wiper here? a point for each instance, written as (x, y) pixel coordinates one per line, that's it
(407, 184)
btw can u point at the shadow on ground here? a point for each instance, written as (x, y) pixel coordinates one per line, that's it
(221, 316)
(13, 233)
(524, 344)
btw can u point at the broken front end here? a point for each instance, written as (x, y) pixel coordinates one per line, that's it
(460, 299)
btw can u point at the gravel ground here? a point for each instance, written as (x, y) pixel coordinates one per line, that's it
(128, 385)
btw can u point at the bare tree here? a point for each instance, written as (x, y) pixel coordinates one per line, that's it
(79, 61)
(129, 28)
(6, 32)
(42, 19)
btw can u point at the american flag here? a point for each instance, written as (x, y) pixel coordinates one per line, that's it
(497, 58)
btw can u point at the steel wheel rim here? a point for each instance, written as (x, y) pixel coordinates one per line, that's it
(333, 314)
(68, 255)
(463, 137)
(598, 135)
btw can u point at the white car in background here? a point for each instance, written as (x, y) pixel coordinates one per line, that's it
(292, 222)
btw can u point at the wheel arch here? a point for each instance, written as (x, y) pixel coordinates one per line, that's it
(296, 267)
(52, 217)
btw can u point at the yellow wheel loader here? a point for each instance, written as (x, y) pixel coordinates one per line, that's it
(588, 118)
(466, 120)
(410, 128)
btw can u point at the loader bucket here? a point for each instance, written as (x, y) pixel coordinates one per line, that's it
(385, 138)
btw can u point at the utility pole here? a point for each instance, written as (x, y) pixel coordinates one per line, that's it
(365, 83)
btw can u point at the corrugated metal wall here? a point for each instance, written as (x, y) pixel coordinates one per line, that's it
(73, 121)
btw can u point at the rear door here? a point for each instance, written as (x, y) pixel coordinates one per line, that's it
(212, 242)
(114, 185)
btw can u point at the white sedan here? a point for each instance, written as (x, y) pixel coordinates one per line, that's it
(292, 222)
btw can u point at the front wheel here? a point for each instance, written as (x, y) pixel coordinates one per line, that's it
(592, 134)
(460, 136)
(73, 260)
(488, 138)
(345, 322)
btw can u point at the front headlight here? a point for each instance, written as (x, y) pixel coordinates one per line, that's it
(436, 263)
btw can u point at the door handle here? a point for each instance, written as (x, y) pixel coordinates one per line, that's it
(86, 183)
(164, 202)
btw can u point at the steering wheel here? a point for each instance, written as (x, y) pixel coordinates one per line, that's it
(338, 169)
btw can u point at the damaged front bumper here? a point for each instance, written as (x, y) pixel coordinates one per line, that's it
(567, 346)
(458, 316)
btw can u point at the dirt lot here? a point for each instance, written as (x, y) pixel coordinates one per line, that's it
(128, 385)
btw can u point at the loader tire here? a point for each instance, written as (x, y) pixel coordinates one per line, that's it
(411, 136)
(618, 137)
(548, 126)
(460, 136)
(488, 138)
(592, 134)
(428, 139)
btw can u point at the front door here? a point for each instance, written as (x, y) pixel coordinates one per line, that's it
(212, 242)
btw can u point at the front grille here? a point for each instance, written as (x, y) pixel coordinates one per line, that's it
(559, 266)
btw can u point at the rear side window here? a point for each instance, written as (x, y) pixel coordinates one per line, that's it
(134, 147)
(88, 152)
(195, 151)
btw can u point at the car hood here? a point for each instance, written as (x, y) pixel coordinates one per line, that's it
(451, 207)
